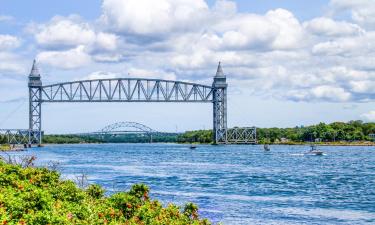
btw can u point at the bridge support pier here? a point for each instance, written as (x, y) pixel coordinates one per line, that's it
(220, 107)
(35, 106)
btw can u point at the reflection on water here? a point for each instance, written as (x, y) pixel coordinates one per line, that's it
(235, 184)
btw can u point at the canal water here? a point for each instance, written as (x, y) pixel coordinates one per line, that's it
(234, 184)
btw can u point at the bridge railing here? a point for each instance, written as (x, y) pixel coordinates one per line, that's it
(127, 90)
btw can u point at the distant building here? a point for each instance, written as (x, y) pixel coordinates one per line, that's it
(318, 140)
(372, 136)
(284, 140)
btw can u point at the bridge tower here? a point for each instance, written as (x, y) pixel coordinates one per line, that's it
(35, 106)
(220, 107)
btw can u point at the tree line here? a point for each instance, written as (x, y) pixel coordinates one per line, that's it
(338, 131)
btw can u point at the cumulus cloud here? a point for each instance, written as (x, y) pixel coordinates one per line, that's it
(100, 75)
(362, 11)
(272, 54)
(329, 27)
(351, 46)
(8, 42)
(68, 33)
(370, 116)
(131, 72)
(63, 32)
(143, 17)
(69, 59)
(11, 63)
(142, 73)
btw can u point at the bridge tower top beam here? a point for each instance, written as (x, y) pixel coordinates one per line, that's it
(220, 80)
(34, 76)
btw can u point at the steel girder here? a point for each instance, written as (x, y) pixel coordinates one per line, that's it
(220, 116)
(35, 115)
(242, 135)
(35, 106)
(220, 107)
(20, 136)
(126, 90)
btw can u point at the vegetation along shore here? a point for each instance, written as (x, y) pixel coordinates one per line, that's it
(30, 195)
(338, 133)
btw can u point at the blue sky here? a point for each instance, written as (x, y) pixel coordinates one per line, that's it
(288, 62)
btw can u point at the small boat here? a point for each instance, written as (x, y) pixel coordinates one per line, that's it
(266, 148)
(314, 151)
(193, 146)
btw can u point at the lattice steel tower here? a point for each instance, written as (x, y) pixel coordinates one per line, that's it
(35, 102)
(220, 107)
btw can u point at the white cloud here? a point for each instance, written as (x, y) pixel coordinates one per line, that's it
(330, 93)
(142, 73)
(70, 59)
(70, 32)
(106, 41)
(8, 42)
(100, 75)
(11, 63)
(362, 11)
(63, 32)
(370, 116)
(329, 27)
(272, 54)
(290, 33)
(131, 72)
(145, 17)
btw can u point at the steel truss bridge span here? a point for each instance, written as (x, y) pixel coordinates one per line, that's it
(20, 136)
(133, 90)
(127, 90)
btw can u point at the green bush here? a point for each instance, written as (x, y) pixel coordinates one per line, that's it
(95, 191)
(39, 196)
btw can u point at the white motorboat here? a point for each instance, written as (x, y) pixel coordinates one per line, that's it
(314, 151)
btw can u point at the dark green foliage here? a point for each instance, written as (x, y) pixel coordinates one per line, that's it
(68, 139)
(95, 191)
(119, 138)
(3, 139)
(337, 131)
(199, 136)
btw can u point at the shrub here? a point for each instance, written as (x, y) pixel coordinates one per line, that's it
(38, 196)
(95, 191)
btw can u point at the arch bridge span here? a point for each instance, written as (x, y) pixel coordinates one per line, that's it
(124, 125)
(121, 128)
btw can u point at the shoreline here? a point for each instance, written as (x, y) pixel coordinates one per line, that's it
(10, 148)
(197, 143)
